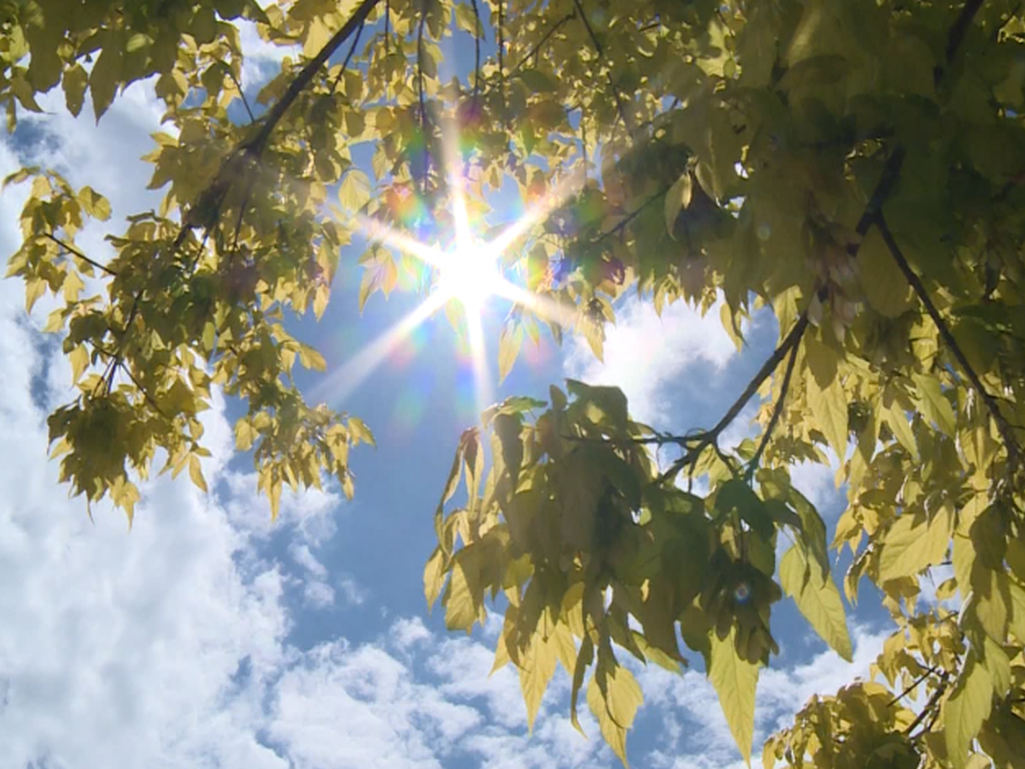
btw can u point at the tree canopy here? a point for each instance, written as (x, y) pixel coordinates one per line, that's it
(853, 168)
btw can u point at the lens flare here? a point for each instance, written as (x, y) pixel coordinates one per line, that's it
(467, 270)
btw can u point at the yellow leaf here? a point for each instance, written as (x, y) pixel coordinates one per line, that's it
(616, 707)
(965, 709)
(908, 548)
(817, 598)
(829, 408)
(509, 343)
(354, 191)
(537, 664)
(434, 576)
(79, 359)
(933, 403)
(735, 680)
(460, 602)
(196, 472)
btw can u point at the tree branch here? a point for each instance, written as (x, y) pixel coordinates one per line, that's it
(256, 144)
(937, 693)
(76, 253)
(348, 58)
(544, 39)
(913, 685)
(708, 438)
(958, 31)
(476, 50)
(601, 56)
(776, 412)
(1003, 427)
(618, 227)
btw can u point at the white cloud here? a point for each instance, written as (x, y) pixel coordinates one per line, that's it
(694, 730)
(645, 354)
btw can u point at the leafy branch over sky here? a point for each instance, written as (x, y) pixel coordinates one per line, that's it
(855, 168)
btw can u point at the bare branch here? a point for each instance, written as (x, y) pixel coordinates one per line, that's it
(931, 704)
(776, 412)
(1003, 427)
(544, 39)
(709, 438)
(476, 50)
(348, 58)
(79, 255)
(601, 56)
(305, 76)
(241, 93)
(908, 689)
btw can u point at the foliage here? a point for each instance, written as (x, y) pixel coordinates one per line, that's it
(854, 168)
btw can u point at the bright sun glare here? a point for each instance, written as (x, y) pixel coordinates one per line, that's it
(469, 272)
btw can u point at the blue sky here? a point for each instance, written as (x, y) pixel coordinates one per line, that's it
(210, 637)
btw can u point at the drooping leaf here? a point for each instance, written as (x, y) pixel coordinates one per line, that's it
(735, 680)
(818, 599)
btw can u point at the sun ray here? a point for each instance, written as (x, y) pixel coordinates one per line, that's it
(479, 361)
(468, 270)
(400, 241)
(344, 381)
(547, 309)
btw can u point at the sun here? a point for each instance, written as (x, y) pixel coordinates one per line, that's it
(469, 273)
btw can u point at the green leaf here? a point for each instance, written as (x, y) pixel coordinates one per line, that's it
(735, 681)
(677, 198)
(967, 706)
(933, 403)
(818, 599)
(74, 83)
(105, 76)
(883, 283)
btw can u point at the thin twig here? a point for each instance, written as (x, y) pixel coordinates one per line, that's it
(241, 93)
(420, 90)
(387, 24)
(937, 693)
(590, 31)
(76, 253)
(501, 44)
(793, 339)
(348, 58)
(913, 685)
(776, 412)
(958, 31)
(601, 56)
(1003, 427)
(537, 46)
(476, 50)
(214, 195)
(618, 227)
